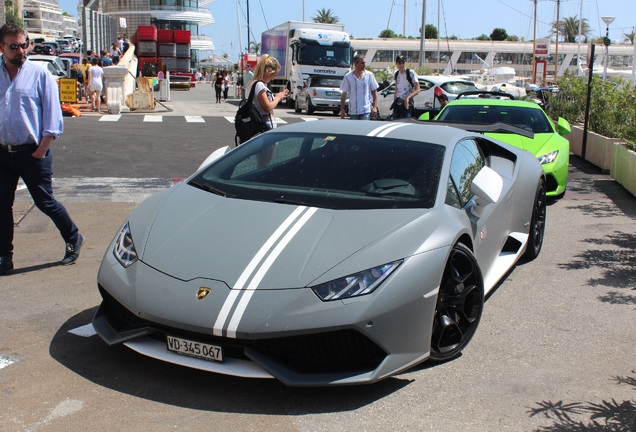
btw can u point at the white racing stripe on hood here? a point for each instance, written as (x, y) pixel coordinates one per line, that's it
(262, 271)
(390, 129)
(376, 131)
(252, 267)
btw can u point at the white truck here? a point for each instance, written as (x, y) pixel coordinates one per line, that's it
(304, 49)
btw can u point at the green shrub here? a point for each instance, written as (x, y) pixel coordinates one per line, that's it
(612, 108)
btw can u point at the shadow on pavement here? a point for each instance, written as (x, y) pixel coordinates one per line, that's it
(121, 369)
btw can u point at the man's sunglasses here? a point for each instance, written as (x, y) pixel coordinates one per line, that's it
(15, 47)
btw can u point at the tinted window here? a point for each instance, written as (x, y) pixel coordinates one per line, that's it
(340, 172)
(467, 161)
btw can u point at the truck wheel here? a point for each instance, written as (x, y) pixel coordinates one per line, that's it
(297, 110)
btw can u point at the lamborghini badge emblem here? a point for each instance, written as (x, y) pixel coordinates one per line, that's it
(203, 293)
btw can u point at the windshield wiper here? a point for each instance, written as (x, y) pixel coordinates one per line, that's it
(208, 188)
(283, 200)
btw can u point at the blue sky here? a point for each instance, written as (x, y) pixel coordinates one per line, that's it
(366, 19)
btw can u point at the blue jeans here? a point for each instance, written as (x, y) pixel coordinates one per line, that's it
(36, 174)
(366, 116)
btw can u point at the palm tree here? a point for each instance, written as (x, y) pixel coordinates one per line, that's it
(569, 29)
(325, 16)
(255, 47)
(630, 36)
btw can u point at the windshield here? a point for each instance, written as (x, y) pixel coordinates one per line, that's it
(530, 119)
(338, 172)
(326, 82)
(338, 54)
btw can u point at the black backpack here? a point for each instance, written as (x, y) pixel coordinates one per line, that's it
(248, 121)
(408, 77)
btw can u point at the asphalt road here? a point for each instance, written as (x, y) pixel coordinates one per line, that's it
(554, 351)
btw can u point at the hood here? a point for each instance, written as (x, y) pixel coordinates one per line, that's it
(533, 145)
(274, 246)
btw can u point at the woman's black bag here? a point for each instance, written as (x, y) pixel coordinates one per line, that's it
(248, 121)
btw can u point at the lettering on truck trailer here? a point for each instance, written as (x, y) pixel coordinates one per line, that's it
(325, 71)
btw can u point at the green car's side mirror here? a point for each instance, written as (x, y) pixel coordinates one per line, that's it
(563, 126)
(425, 117)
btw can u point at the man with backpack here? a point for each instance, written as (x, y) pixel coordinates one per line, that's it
(406, 87)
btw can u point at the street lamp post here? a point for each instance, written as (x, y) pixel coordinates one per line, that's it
(607, 20)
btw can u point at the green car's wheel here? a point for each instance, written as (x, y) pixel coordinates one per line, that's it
(460, 302)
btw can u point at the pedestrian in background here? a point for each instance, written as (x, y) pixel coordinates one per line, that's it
(226, 85)
(30, 120)
(218, 85)
(106, 60)
(95, 84)
(406, 88)
(362, 88)
(115, 53)
(248, 75)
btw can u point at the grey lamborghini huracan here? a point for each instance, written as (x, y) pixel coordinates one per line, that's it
(324, 253)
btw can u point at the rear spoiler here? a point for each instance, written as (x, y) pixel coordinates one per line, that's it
(479, 128)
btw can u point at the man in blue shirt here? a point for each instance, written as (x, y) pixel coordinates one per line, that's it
(30, 119)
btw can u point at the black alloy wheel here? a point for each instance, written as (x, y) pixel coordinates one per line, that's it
(537, 223)
(460, 302)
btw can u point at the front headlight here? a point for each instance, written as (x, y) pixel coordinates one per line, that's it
(357, 284)
(548, 158)
(124, 249)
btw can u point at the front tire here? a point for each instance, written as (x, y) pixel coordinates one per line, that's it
(297, 110)
(460, 302)
(310, 107)
(537, 223)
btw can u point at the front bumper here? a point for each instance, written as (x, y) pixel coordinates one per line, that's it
(287, 334)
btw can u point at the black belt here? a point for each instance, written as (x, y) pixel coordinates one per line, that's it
(19, 148)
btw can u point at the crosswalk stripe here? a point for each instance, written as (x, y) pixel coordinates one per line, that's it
(194, 119)
(110, 117)
(153, 118)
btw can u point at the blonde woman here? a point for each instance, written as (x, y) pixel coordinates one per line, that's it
(264, 100)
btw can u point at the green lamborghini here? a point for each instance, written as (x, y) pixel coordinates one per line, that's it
(537, 133)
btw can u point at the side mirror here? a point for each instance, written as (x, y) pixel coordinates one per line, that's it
(487, 187)
(214, 156)
(563, 126)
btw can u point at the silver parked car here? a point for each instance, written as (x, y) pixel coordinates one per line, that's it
(321, 93)
(323, 253)
(431, 86)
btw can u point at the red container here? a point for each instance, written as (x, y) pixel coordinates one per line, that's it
(182, 36)
(147, 33)
(165, 36)
(149, 66)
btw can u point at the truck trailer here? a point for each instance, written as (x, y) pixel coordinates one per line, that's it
(304, 49)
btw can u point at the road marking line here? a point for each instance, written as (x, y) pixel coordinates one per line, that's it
(308, 119)
(153, 118)
(110, 117)
(194, 119)
(230, 119)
